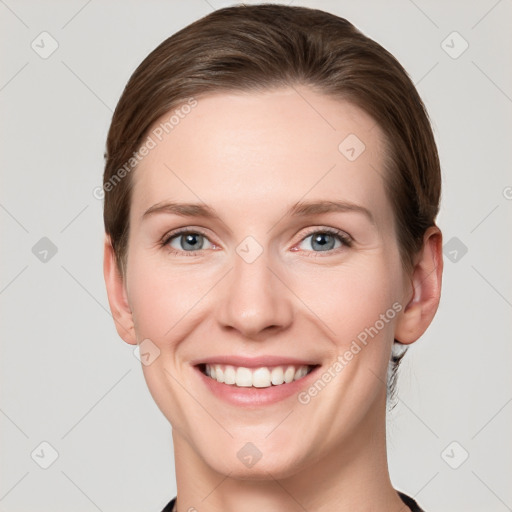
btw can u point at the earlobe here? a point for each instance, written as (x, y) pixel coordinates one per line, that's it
(117, 296)
(424, 291)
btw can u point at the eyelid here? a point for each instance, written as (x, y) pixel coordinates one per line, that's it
(345, 238)
(326, 229)
(186, 230)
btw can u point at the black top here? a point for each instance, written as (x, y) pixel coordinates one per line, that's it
(406, 499)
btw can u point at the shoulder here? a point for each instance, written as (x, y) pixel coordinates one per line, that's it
(408, 501)
(169, 506)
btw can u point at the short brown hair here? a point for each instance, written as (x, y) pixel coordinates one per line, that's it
(261, 47)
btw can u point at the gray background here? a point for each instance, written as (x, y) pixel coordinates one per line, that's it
(67, 378)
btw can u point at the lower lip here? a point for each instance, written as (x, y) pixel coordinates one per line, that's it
(251, 396)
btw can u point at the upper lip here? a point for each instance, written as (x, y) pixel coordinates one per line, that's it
(254, 362)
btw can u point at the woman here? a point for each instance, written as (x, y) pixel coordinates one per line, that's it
(271, 188)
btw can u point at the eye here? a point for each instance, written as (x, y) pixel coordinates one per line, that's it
(185, 242)
(324, 240)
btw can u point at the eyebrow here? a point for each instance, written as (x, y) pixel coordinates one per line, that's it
(299, 209)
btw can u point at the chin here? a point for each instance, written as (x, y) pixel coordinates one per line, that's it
(276, 466)
(260, 472)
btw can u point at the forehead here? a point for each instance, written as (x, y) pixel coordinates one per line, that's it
(257, 151)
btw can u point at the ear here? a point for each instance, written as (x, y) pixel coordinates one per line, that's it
(424, 289)
(117, 296)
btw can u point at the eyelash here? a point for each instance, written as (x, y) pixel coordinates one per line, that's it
(345, 239)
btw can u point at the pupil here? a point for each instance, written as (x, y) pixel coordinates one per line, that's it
(189, 239)
(320, 240)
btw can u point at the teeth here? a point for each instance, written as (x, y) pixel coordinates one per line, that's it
(229, 375)
(289, 374)
(259, 378)
(243, 377)
(277, 375)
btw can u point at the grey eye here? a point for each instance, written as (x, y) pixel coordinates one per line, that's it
(188, 241)
(323, 241)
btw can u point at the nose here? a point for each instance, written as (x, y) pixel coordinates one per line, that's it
(254, 299)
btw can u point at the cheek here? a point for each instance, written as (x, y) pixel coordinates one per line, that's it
(164, 300)
(165, 306)
(351, 298)
(167, 301)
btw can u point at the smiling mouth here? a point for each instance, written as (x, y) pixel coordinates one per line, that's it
(262, 377)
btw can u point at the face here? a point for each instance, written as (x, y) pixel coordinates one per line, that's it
(298, 266)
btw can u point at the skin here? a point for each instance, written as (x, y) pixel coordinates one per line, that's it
(251, 156)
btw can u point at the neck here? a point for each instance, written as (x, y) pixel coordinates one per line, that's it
(353, 476)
